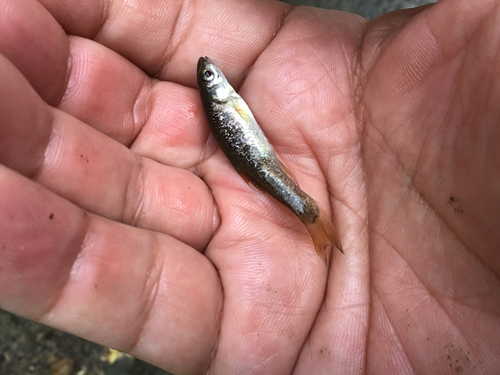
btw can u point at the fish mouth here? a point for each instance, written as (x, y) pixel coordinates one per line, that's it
(203, 63)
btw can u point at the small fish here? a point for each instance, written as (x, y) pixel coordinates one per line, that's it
(245, 145)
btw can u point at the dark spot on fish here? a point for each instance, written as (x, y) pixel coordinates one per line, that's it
(452, 199)
(51, 216)
(458, 210)
(48, 335)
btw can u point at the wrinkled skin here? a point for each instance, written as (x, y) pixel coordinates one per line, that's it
(122, 222)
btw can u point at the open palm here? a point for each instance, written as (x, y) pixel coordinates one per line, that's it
(122, 222)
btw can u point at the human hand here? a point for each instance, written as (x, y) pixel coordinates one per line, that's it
(122, 222)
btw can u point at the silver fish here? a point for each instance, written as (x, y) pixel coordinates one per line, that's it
(245, 145)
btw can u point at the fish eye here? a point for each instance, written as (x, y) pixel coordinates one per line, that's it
(208, 75)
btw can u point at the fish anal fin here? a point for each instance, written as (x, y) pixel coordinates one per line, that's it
(324, 236)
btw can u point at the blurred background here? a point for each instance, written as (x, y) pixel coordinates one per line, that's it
(28, 348)
(365, 8)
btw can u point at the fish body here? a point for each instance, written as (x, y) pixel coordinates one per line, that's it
(247, 148)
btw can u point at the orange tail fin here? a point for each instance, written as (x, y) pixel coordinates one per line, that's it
(324, 235)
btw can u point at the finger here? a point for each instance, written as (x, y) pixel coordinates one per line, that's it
(106, 91)
(381, 31)
(113, 96)
(159, 120)
(36, 44)
(95, 172)
(123, 287)
(166, 38)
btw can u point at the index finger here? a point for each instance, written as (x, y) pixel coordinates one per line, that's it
(165, 38)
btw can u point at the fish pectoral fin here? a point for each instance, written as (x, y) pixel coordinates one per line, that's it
(242, 109)
(251, 183)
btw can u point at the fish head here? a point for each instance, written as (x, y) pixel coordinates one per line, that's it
(212, 82)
